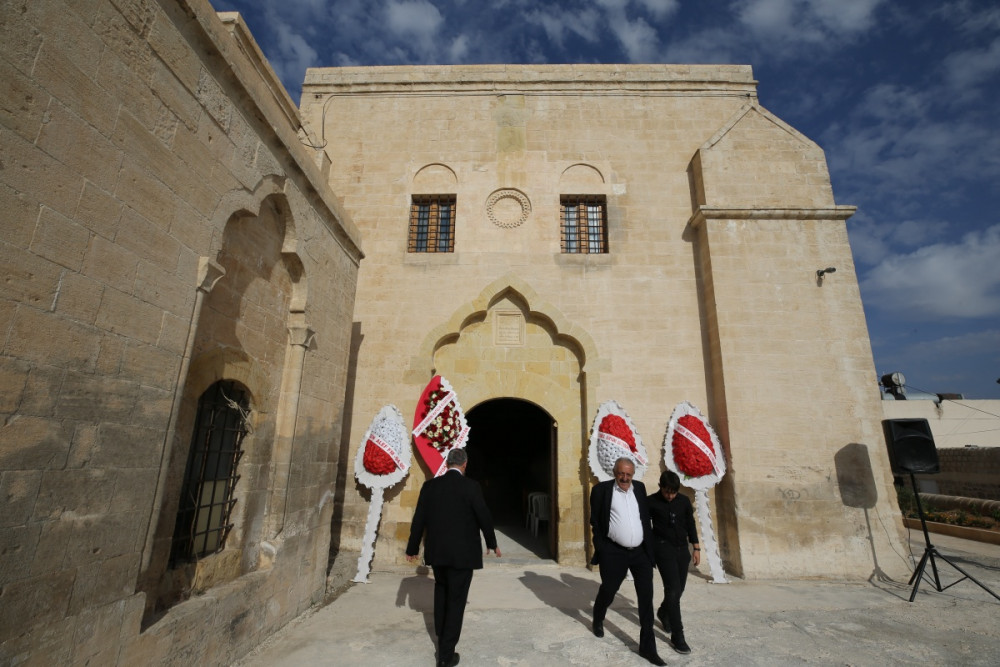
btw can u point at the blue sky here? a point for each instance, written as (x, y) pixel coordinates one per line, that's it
(902, 96)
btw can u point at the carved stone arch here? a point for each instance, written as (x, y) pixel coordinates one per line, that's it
(535, 355)
(510, 285)
(581, 175)
(434, 178)
(242, 203)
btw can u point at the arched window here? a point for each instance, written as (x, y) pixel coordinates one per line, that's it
(210, 477)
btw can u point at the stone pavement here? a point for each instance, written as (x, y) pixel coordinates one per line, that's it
(527, 611)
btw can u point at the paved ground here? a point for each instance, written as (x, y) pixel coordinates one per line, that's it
(529, 611)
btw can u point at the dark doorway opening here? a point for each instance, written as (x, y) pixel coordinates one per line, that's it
(510, 454)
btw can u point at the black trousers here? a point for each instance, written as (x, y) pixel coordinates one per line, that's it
(614, 563)
(672, 562)
(451, 592)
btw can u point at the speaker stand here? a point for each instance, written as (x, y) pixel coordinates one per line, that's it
(930, 553)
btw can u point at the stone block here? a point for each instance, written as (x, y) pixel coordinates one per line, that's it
(152, 407)
(18, 491)
(96, 640)
(79, 298)
(124, 40)
(17, 551)
(24, 103)
(92, 398)
(103, 582)
(27, 279)
(31, 602)
(13, 381)
(74, 88)
(79, 492)
(76, 144)
(98, 211)
(109, 361)
(142, 190)
(33, 443)
(126, 446)
(163, 289)
(214, 100)
(60, 240)
(128, 316)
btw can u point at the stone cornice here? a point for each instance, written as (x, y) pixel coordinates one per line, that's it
(533, 79)
(705, 213)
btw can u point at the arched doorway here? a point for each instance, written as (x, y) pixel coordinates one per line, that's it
(511, 455)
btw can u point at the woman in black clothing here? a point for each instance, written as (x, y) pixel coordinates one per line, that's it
(673, 527)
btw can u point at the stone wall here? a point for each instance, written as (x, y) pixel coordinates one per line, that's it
(969, 472)
(164, 228)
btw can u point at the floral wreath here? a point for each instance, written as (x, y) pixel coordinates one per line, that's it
(441, 423)
(383, 458)
(692, 449)
(612, 437)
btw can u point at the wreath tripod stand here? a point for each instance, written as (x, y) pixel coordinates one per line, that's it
(930, 553)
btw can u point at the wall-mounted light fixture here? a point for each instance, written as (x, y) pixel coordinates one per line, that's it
(821, 272)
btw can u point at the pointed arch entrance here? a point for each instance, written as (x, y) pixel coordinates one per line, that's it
(512, 455)
(509, 344)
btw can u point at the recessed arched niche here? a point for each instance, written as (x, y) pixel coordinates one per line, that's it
(581, 178)
(435, 178)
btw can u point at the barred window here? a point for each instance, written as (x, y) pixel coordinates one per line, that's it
(432, 224)
(584, 224)
(207, 498)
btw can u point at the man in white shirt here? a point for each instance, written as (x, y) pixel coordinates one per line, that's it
(623, 541)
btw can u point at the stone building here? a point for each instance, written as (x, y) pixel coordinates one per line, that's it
(192, 345)
(176, 314)
(552, 237)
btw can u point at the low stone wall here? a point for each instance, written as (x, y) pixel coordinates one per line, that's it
(971, 472)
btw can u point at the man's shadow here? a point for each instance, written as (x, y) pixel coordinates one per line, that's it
(574, 596)
(418, 592)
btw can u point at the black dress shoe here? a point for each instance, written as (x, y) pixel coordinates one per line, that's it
(680, 646)
(598, 628)
(653, 657)
(451, 663)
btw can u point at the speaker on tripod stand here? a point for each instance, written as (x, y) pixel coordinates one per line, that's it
(911, 452)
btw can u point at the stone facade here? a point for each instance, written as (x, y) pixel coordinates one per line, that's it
(165, 227)
(718, 217)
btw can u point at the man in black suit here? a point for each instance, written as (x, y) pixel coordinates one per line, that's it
(452, 512)
(623, 541)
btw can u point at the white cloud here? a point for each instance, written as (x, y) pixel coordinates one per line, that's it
(660, 9)
(417, 18)
(972, 67)
(807, 21)
(958, 280)
(639, 40)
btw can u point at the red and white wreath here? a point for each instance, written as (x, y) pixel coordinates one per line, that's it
(612, 437)
(384, 455)
(692, 449)
(439, 424)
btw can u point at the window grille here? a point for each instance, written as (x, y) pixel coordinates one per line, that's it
(432, 224)
(584, 224)
(207, 499)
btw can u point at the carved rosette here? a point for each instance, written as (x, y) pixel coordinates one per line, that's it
(508, 208)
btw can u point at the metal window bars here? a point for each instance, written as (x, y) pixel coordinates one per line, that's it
(432, 224)
(583, 224)
(204, 516)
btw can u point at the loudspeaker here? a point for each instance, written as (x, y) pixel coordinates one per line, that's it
(911, 446)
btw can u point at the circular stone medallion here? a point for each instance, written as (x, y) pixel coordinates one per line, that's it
(508, 208)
